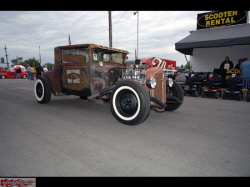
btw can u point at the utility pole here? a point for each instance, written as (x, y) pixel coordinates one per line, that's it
(110, 29)
(6, 56)
(137, 33)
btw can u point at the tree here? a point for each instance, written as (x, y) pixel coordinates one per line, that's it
(31, 61)
(17, 61)
(49, 65)
(188, 65)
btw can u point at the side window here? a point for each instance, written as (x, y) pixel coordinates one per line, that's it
(74, 55)
(96, 56)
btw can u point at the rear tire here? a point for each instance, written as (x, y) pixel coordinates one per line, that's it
(203, 94)
(216, 94)
(130, 103)
(42, 90)
(248, 98)
(239, 97)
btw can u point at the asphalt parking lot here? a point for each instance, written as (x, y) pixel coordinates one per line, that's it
(74, 137)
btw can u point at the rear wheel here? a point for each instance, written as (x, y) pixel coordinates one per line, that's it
(203, 94)
(239, 97)
(196, 94)
(130, 103)
(223, 96)
(42, 90)
(248, 97)
(216, 94)
(177, 92)
(3, 76)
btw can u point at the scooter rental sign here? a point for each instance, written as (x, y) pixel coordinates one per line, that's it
(221, 18)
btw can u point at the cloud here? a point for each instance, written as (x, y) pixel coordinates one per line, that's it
(24, 31)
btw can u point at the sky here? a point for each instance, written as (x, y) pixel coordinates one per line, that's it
(22, 32)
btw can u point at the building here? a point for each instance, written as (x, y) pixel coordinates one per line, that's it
(218, 34)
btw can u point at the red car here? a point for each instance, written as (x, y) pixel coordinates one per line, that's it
(7, 74)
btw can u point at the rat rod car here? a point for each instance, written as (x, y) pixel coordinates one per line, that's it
(93, 71)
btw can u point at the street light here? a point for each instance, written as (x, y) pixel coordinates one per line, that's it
(137, 56)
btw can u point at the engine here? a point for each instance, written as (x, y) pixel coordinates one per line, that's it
(133, 73)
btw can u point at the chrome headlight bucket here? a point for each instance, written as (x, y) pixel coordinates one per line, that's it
(151, 83)
(170, 82)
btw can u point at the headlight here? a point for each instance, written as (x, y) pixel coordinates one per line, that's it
(101, 63)
(170, 82)
(151, 83)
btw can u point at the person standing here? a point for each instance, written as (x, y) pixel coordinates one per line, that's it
(28, 71)
(32, 71)
(239, 62)
(227, 64)
(45, 69)
(12, 71)
(18, 72)
(39, 70)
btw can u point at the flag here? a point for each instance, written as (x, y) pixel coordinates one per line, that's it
(135, 54)
(69, 40)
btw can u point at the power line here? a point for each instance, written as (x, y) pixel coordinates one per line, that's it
(120, 18)
(67, 28)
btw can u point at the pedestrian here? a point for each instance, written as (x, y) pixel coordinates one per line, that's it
(239, 62)
(39, 70)
(32, 71)
(45, 69)
(18, 72)
(12, 71)
(28, 71)
(227, 64)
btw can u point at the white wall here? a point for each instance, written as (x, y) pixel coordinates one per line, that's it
(206, 59)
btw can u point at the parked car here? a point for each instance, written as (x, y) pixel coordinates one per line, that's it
(93, 71)
(170, 73)
(181, 78)
(7, 74)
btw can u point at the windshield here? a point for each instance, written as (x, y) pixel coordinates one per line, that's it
(106, 55)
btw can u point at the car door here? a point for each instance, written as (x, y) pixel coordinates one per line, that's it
(75, 72)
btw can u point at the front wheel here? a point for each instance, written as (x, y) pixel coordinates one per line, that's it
(130, 103)
(177, 92)
(42, 90)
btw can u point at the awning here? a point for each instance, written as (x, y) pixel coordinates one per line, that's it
(215, 37)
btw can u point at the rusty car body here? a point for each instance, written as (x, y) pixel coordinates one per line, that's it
(93, 71)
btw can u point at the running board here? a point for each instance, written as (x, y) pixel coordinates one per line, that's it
(105, 91)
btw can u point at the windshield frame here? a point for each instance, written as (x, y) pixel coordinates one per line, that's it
(108, 56)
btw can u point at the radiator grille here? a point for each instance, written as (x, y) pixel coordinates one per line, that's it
(160, 90)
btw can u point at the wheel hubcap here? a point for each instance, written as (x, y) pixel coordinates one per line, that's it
(127, 103)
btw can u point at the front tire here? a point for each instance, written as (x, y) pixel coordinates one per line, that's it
(42, 90)
(177, 92)
(130, 103)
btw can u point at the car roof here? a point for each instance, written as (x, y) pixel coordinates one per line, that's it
(93, 46)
